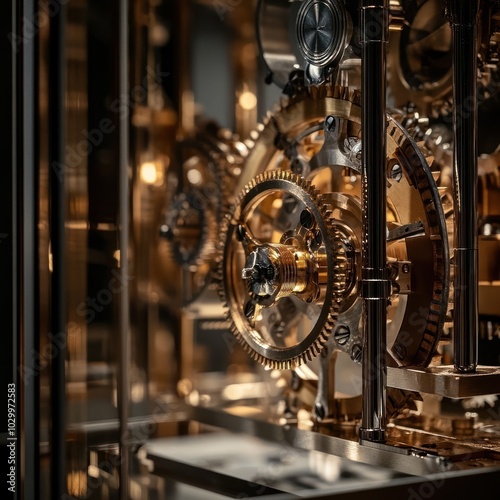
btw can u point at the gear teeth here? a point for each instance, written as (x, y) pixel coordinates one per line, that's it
(339, 279)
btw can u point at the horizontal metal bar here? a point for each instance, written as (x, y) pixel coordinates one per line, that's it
(444, 381)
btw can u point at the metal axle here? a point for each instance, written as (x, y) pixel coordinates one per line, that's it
(463, 19)
(375, 284)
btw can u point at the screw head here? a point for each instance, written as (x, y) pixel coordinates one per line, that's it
(356, 353)
(396, 173)
(330, 123)
(342, 334)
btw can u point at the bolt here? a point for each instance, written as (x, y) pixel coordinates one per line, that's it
(306, 219)
(396, 172)
(405, 268)
(330, 123)
(356, 353)
(342, 334)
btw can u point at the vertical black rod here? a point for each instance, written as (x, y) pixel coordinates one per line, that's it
(57, 222)
(375, 285)
(123, 224)
(29, 344)
(463, 18)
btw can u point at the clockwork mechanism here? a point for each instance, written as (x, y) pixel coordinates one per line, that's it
(315, 140)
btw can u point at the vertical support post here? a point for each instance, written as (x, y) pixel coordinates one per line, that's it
(463, 19)
(375, 284)
(57, 222)
(123, 224)
(25, 237)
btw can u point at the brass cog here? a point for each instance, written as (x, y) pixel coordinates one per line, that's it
(278, 285)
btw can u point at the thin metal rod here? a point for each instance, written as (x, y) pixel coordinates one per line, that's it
(58, 313)
(29, 341)
(463, 19)
(123, 224)
(375, 285)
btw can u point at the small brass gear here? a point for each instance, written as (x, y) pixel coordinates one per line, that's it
(283, 288)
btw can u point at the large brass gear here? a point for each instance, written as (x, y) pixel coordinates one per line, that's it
(296, 138)
(280, 284)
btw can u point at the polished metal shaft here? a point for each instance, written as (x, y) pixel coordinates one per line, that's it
(463, 19)
(375, 285)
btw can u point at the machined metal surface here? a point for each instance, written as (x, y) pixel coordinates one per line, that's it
(445, 381)
(324, 29)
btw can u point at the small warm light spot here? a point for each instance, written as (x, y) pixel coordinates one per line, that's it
(194, 176)
(277, 203)
(148, 172)
(116, 256)
(248, 100)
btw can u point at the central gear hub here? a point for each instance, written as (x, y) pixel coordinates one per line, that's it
(275, 271)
